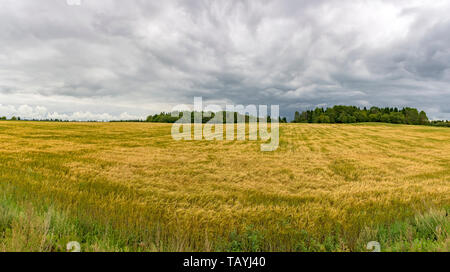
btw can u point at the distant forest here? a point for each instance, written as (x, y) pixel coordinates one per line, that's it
(334, 115)
(352, 114)
(167, 117)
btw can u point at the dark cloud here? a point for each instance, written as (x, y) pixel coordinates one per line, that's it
(106, 58)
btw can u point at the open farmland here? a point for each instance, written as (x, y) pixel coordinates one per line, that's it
(130, 187)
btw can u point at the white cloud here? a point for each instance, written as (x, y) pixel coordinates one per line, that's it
(40, 113)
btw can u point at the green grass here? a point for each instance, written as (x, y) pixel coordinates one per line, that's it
(27, 228)
(428, 232)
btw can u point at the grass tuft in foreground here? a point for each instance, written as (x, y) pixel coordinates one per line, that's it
(428, 232)
(23, 228)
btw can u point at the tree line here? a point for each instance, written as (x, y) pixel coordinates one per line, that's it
(14, 118)
(336, 114)
(165, 117)
(352, 114)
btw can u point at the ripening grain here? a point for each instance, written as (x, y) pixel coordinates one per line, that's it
(129, 186)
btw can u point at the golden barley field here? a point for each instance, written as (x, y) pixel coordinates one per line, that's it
(130, 187)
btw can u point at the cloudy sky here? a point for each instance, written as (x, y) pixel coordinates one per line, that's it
(107, 59)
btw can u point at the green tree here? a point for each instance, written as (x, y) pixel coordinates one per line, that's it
(304, 117)
(374, 110)
(343, 118)
(324, 119)
(351, 119)
(397, 117)
(361, 116)
(331, 113)
(297, 117)
(412, 116)
(385, 118)
(375, 117)
(423, 118)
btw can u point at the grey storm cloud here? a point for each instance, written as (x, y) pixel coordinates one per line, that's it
(107, 59)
